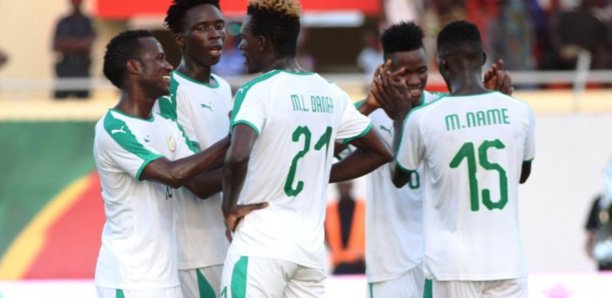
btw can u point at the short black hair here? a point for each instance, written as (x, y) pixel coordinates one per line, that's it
(402, 37)
(460, 37)
(119, 50)
(278, 21)
(177, 10)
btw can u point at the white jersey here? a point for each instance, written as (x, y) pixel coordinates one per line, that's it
(138, 240)
(394, 216)
(297, 117)
(203, 112)
(472, 148)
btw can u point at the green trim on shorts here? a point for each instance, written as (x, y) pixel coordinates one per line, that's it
(119, 294)
(204, 287)
(428, 289)
(371, 289)
(239, 278)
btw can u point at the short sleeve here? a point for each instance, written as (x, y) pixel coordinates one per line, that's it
(124, 149)
(249, 109)
(353, 125)
(530, 141)
(410, 149)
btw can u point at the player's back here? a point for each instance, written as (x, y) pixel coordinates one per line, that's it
(473, 148)
(297, 117)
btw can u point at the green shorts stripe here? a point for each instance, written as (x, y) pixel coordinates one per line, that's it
(428, 290)
(204, 287)
(239, 278)
(119, 294)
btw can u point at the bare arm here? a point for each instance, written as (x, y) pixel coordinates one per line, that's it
(179, 172)
(234, 174)
(525, 171)
(206, 184)
(371, 154)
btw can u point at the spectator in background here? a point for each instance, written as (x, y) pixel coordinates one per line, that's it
(232, 61)
(511, 35)
(598, 225)
(344, 230)
(371, 54)
(73, 39)
(579, 29)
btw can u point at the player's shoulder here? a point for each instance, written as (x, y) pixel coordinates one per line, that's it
(258, 83)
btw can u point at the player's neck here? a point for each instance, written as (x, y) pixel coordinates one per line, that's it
(467, 83)
(284, 63)
(136, 104)
(195, 71)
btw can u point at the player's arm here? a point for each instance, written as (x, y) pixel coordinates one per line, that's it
(525, 171)
(371, 154)
(179, 172)
(234, 174)
(207, 183)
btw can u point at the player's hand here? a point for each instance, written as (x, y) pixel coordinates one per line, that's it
(393, 93)
(496, 78)
(371, 98)
(232, 218)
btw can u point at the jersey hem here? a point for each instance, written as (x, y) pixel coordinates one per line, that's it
(480, 277)
(151, 286)
(277, 257)
(192, 266)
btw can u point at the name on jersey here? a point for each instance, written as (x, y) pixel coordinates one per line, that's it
(477, 119)
(316, 104)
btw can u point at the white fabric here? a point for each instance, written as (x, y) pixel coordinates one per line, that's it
(394, 216)
(138, 240)
(408, 285)
(189, 280)
(291, 227)
(510, 288)
(202, 110)
(270, 278)
(173, 292)
(470, 239)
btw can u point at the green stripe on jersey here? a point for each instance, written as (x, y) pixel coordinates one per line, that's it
(204, 287)
(213, 80)
(358, 103)
(121, 133)
(363, 133)
(249, 124)
(371, 289)
(239, 278)
(167, 104)
(242, 92)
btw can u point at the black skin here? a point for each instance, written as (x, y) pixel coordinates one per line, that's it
(261, 57)
(145, 80)
(201, 41)
(462, 78)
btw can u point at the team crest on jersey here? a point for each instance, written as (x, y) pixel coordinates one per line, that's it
(171, 143)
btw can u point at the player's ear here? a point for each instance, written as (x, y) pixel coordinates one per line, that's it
(262, 43)
(180, 40)
(133, 66)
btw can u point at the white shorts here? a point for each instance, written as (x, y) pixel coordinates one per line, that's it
(507, 288)
(173, 292)
(256, 277)
(202, 282)
(409, 285)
